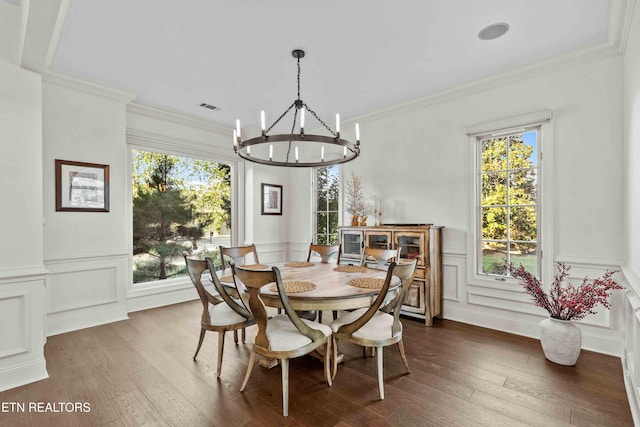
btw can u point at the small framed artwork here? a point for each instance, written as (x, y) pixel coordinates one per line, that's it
(271, 199)
(82, 187)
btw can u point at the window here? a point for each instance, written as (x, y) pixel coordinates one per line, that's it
(179, 204)
(508, 195)
(327, 197)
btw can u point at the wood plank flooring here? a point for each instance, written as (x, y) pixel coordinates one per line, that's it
(140, 372)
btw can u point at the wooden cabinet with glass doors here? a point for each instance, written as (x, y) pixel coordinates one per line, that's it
(421, 242)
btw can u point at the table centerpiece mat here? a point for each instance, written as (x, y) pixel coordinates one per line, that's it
(255, 266)
(294, 287)
(350, 269)
(299, 264)
(367, 282)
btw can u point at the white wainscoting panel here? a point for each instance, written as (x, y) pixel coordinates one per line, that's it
(631, 341)
(273, 252)
(16, 322)
(71, 290)
(453, 274)
(22, 327)
(85, 292)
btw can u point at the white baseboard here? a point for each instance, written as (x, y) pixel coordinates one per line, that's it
(530, 328)
(59, 323)
(15, 376)
(632, 396)
(145, 302)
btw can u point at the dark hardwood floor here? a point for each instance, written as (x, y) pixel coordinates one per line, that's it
(140, 372)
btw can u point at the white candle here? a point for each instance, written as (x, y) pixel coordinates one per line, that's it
(344, 151)
(238, 128)
(263, 122)
(322, 153)
(270, 151)
(248, 150)
(357, 132)
(302, 118)
(296, 154)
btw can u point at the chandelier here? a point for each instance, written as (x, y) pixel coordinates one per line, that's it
(297, 149)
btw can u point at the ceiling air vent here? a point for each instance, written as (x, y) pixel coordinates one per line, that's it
(210, 107)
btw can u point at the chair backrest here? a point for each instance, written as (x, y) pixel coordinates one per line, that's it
(405, 272)
(381, 256)
(238, 254)
(325, 252)
(237, 305)
(195, 268)
(253, 280)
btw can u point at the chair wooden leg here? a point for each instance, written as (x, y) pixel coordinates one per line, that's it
(220, 352)
(244, 335)
(235, 336)
(284, 365)
(404, 356)
(252, 359)
(335, 314)
(380, 372)
(202, 332)
(327, 361)
(319, 316)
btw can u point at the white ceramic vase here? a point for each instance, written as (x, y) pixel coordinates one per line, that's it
(561, 341)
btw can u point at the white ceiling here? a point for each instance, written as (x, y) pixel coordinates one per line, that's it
(362, 55)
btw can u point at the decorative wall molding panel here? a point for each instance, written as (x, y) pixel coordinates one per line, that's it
(22, 328)
(86, 291)
(631, 341)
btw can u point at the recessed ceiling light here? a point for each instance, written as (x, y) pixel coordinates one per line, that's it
(493, 31)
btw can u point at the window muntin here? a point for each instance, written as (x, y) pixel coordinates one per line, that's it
(327, 205)
(508, 200)
(179, 204)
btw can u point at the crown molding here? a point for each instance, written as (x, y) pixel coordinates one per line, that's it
(620, 17)
(590, 54)
(87, 86)
(179, 118)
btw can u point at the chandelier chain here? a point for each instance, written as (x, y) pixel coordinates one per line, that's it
(320, 120)
(298, 78)
(293, 127)
(281, 116)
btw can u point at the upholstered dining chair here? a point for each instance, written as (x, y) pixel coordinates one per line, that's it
(324, 251)
(379, 256)
(370, 327)
(246, 254)
(283, 336)
(219, 313)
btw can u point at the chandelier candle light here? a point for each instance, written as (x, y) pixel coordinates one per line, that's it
(314, 156)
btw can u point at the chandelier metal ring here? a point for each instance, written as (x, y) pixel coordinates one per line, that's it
(353, 150)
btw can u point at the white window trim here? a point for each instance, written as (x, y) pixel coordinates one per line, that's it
(545, 202)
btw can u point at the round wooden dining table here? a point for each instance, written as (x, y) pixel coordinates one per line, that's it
(332, 289)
